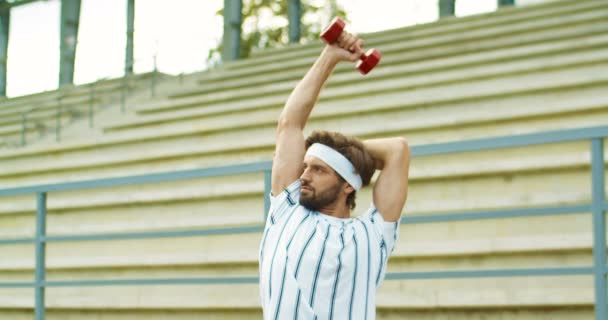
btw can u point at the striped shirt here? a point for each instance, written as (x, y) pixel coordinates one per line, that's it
(315, 266)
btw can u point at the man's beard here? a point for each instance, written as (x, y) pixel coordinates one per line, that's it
(316, 201)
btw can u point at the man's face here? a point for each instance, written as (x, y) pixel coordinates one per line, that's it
(321, 186)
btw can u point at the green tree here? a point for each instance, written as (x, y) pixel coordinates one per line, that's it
(265, 25)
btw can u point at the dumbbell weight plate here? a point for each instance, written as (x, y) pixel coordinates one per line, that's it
(367, 63)
(333, 31)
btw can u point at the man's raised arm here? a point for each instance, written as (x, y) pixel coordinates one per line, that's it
(290, 143)
(392, 156)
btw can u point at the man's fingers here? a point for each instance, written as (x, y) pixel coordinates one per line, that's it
(353, 57)
(349, 41)
(357, 46)
(343, 40)
(351, 44)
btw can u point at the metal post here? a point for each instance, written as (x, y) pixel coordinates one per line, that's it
(23, 129)
(447, 8)
(70, 17)
(58, 123)
(153, 78)
(130, 30)
(599, 226)
(267, 190)
(91, 103)
(502, 3)
(294, 11)
(123, 93)
(232, 29)
(40, 255)
(5, 17)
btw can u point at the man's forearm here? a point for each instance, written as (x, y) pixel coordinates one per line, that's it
(304, 96)
(387, 149)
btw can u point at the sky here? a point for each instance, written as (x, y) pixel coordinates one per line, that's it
(176, 37)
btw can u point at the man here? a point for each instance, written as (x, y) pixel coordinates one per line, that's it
(316, 262)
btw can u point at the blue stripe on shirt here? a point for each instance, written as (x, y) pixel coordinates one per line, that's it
(333, 296)
(297, 228)
(352, 293)
(381, 264)
(369, 257)
(298, 268)
(275, 250)
(314, 282)
(267, 229)
(276, 315)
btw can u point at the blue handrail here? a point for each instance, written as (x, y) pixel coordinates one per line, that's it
(598, 207)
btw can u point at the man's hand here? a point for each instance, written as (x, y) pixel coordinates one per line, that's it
(347, 48)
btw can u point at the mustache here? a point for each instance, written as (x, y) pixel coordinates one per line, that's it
(306, 184)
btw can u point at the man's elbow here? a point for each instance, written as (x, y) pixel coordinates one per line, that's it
(285, 124)
(402, 147)
(401, 152)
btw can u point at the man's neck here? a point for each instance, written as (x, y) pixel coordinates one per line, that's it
(341, 212)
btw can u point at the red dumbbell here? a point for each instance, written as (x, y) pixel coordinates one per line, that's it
(368, 60)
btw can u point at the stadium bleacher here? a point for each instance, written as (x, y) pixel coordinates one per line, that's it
(517, 70)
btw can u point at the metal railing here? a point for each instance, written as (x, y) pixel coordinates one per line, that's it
(93, 92)
(597, 207)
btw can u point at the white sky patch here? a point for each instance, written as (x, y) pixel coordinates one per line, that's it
(470, 7)
(101, 40)
(33, 49)
(180, 33)
(371, 16)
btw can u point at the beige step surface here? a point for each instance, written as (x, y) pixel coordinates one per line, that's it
(226, 140)
(502, 16)
(427, 294)
(423, 49)
(456, 73)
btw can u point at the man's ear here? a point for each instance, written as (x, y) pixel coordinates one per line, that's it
(348, 189)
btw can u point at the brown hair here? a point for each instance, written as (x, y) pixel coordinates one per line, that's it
(353, 149)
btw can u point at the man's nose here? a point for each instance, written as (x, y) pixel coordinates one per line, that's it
(305, 176)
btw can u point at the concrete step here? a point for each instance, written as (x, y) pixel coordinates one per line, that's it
(505, 16)
(428, 64)
(546, 313)
(424, 247)
(582, 51)
(14, 130)
(428, 294)
(88, 154)
(69, 96)
(400, 58)
(464, 262)
(440, 46)
(146, 207)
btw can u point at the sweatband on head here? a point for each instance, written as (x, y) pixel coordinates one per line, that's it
(338, 162)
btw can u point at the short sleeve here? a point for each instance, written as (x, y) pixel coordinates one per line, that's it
(388, 232)
(281, 203)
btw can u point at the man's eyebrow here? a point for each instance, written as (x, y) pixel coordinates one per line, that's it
(318, 166)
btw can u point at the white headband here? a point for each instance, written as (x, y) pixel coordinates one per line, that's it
(336, 161)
